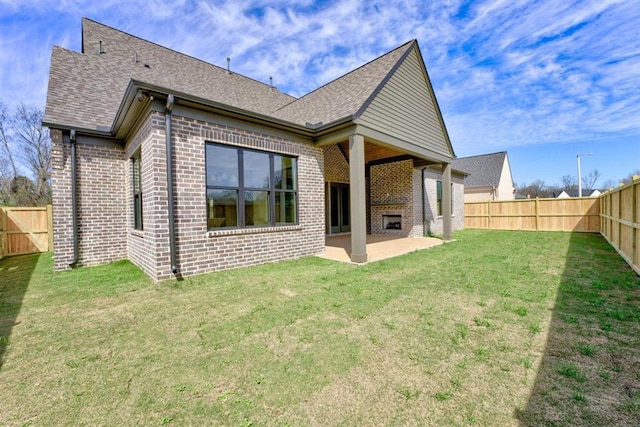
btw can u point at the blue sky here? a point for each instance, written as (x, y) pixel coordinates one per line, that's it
(543, 80)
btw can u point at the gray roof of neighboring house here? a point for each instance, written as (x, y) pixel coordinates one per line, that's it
(86, 89)
(585, 193)
(483, 170)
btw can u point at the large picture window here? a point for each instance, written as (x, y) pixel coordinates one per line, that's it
(137, 191)
(249, 188)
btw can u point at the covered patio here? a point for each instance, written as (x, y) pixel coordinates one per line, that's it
(338, 248)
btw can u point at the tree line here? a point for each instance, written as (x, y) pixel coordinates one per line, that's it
(25, 157)
(539, 188)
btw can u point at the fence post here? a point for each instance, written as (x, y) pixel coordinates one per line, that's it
(489, 213)
(601, 203)
(537, 214)
(3, 232)
(619, 219)
(50, 226)
(635, 180)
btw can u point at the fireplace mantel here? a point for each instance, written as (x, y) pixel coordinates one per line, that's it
(389, 204)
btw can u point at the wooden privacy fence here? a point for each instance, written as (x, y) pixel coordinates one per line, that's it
(25, 230)
(620, 221)
(573, 214)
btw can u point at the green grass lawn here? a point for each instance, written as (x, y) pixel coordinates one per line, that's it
(496, 328)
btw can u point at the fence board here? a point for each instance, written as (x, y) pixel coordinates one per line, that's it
(578, 214)
(25, 230)
(621, 222)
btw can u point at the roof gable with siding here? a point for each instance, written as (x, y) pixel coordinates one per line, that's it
(391, 96)
(344, 96)
(404, 107)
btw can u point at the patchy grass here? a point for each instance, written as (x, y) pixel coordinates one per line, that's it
(497, 328)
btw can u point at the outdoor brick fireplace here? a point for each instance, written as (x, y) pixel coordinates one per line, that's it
(391, 198)
(392, 222)
(388, 219)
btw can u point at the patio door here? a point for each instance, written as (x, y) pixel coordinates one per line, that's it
(339, 215)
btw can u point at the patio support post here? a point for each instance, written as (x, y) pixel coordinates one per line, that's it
(357, 199)
(446, 201)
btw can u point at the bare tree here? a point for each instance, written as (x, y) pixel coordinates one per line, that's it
(537, 188)
(25, 164)
(589, 180)
(627, 179)
(569, 183)
(35, 145)
(6, 127)
(610, 183)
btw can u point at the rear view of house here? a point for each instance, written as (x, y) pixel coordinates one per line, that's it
(184, 167)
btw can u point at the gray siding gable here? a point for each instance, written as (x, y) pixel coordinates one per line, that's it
(344, 96)
(404, 107)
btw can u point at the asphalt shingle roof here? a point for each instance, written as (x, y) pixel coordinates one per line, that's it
(483, 170)
(86, 89)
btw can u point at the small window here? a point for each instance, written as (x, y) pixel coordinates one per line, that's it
(137, 191)
(250, 188)
(439, 198)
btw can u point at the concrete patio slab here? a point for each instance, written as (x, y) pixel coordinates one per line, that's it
(338, 248)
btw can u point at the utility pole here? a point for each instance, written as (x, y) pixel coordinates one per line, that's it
(579, 176)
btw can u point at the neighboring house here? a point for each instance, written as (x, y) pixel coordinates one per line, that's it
(489, 177)
(184, 167)
(574, 193)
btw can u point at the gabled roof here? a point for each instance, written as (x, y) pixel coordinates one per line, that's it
(86, 89)
(484, 170)
(404, 109)
(95, 91)
(344, 96)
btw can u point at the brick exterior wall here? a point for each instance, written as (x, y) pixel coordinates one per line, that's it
(105, 198)
(417, 227)
(101, 200)
(336, 167)
(199, 250)
(434, 222)
(145, 247)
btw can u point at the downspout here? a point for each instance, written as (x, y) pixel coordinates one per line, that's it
(74, 199)
(169, 149)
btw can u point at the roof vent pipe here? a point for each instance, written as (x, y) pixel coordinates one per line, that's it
(228, 65)
(100, 51)
(270, 82)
